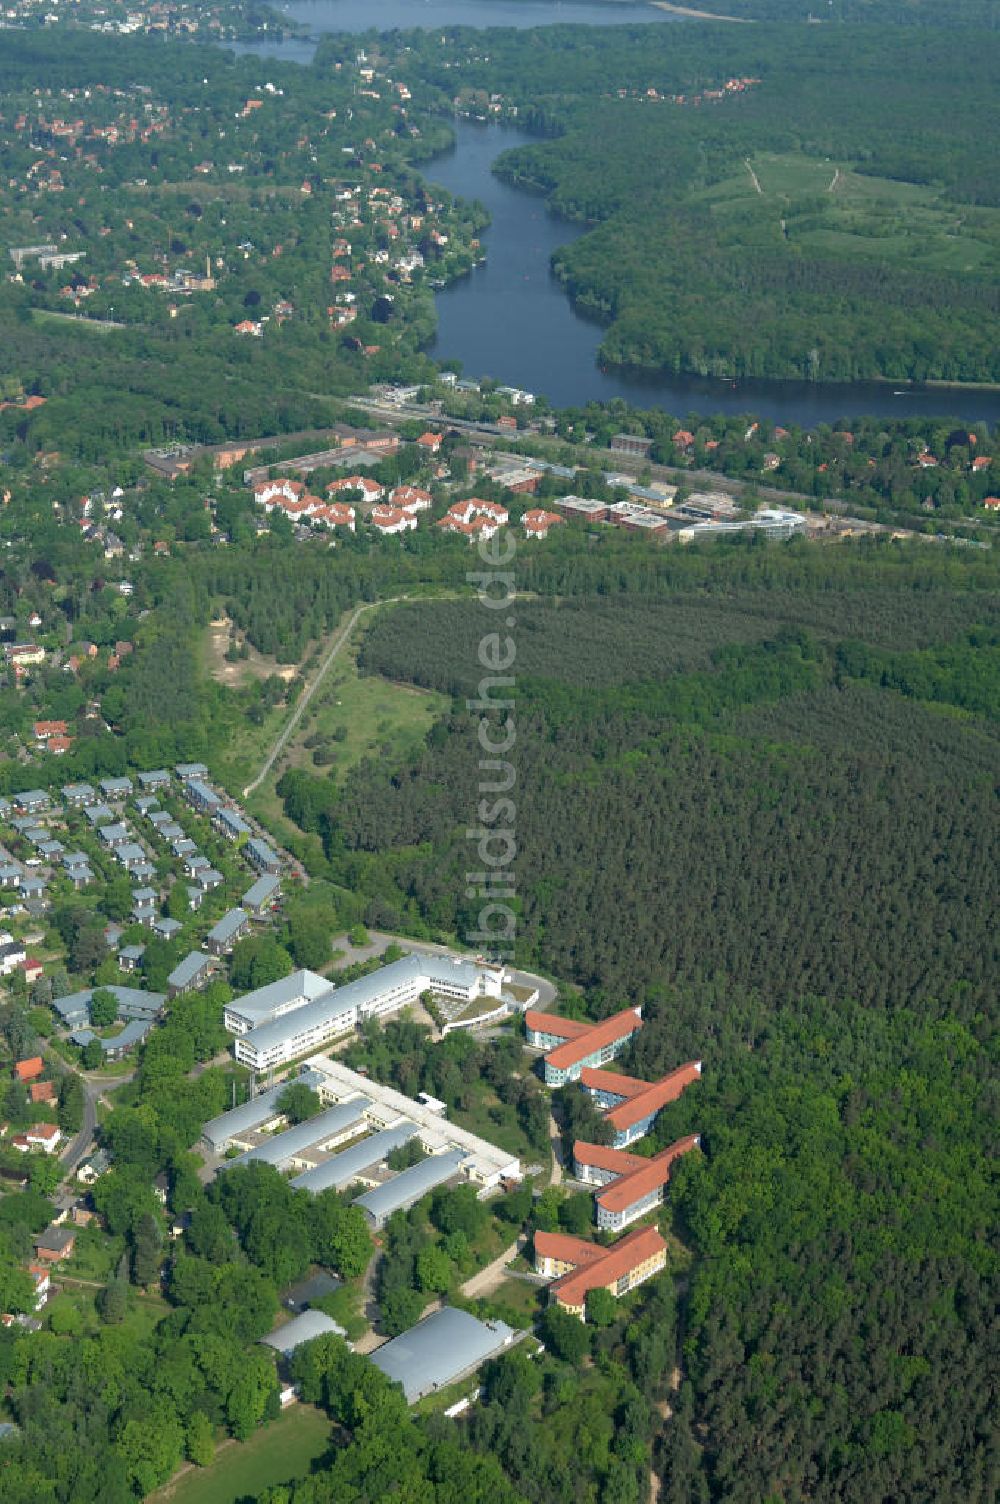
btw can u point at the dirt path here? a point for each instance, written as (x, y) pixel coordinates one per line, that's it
(340, 638)
(556, 1173)
(755, 180)
(832, 188)
(487, 1280)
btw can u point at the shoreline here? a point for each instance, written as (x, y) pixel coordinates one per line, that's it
(701, 15)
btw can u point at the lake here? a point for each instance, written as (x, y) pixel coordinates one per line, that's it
(511, 320)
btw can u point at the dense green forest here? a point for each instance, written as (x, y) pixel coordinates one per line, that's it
(755, 791)
(770, 201)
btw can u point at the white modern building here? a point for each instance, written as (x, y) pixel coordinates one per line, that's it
(303, 1012)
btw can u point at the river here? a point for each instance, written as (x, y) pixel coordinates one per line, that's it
(511, 320)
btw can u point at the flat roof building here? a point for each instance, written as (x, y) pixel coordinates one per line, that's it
(315, 1012)
(443, 1348)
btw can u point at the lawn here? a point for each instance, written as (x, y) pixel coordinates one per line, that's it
(279, 1453)
(829, 209)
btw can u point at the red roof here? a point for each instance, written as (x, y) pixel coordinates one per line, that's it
(565, 1248)
(549, 1023)
(601, 1157)
(45, 729)
(643, 1104)
(43, 1091)
(27, 1070)
(623, 1193)
(596, 1037)
(621, 1258)
(610, 1081)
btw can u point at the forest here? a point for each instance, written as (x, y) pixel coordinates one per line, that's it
(756, 793)
(868, 246)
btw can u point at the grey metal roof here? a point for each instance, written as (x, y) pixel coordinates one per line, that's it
(263, 889)
(201, 792)
(133, 1002)
(439, 1350)
(302, 1329)
(260, 851)
(191, 770)
(73, 859)
(143, 895)
(130, 853)
(409, 1186)
(208, 877)
(167, 927)
(228, 926)
(133, 1033)
(117, 831)
(95, 813)
(259, 1109)
(333, 1004)
(348, 1165)
(234, 821)
(261, 1006)
(83, 791)
(317, 1130)
(188, 970)
(116, 785)
(31, 798)
(155, 779)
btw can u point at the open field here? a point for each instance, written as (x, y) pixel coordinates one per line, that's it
(279, 1453)
(825, 207)
(254, 666)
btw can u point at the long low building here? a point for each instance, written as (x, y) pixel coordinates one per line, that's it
(288, 1150)
(443, 1348)
(632, 1105)
(256, 1116)
(351, 1164)
(285, 1339)
(484, 1163)
(578, 1266)
(304, 1012)
(632, 1186)
(408, 1187)
(573, 1046)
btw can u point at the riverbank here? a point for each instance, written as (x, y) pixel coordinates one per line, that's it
(701, 15)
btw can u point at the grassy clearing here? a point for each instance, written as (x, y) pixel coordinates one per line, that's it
(283, 1451)
(827, 208)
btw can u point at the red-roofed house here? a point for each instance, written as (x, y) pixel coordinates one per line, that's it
(683, 438)
(992, 503)
(580, 1266)
(430, 441)
(336, 514)
(370, 489)
(537, 522)
(42, 1091)
(592, 1046)
(44, 730)
(32, 968)
(631, 1196)
(44, 1136)
(411, 499)
(389, 520)
(29, 1070)
(633, 1117)
(982, 462)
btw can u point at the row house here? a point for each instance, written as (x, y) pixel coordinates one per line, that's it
(390, 520)
(370, 489)
(572, 1046)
